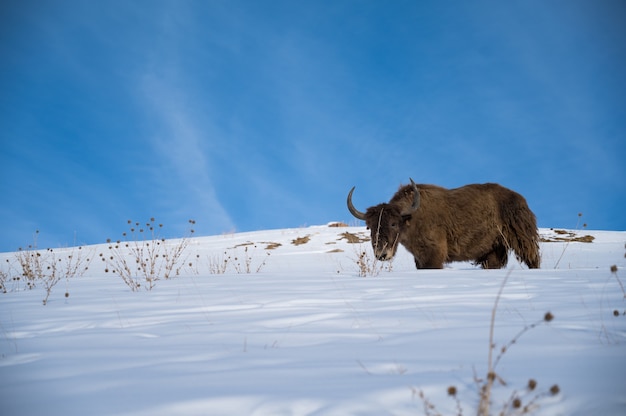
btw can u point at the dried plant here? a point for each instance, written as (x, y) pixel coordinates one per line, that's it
(240, 263)
(569, 240)
(519, 403)
(47, 267)
(4, 277)
(486, 385)
(369, 265)
(143, 256)
(218, 264)
(614, 270)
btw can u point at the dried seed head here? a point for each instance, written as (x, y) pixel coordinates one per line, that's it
(554, 390)
(451, 391)
(548, 317)
(614, 268)
(615, 312)
(517, 403)
(532, 383)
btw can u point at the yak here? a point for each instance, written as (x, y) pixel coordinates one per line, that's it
(479, 223)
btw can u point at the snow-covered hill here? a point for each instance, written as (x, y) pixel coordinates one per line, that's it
(301, 322)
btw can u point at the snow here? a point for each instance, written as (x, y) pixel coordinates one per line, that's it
(304, 334)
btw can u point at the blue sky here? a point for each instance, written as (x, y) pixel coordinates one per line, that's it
(249, 115)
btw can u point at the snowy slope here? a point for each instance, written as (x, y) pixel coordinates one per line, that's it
(304, 334)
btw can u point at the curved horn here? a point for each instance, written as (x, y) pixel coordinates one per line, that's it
(416, 198)
(358, 214)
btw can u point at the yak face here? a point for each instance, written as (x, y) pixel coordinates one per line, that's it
(386, 223)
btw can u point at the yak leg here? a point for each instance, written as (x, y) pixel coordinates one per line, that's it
(429, 265)
(432, 259)
(495, 259)
(532, 259)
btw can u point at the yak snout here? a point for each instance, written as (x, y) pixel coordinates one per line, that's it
(384, 252)
(383, 256)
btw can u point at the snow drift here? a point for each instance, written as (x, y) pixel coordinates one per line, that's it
(303, 322)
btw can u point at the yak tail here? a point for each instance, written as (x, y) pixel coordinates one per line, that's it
(519, 229)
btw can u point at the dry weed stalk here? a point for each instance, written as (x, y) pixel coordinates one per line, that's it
(143, 255)
(518, 403)
(370, 266)
(46, 267)
(246, 263)
(614, 273)
(486, 386)
(218, 264)
(569, 240)
(4, 277)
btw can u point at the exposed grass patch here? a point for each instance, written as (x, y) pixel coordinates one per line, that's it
(566, 236)
(338, 224)
(354, 238)
(301, 240)
(248, 243)
(270, 245)
(337, 250)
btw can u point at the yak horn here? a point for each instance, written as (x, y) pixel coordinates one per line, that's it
(358, 214)
(416, 198)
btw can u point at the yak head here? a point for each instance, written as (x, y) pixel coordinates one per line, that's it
(386, 223)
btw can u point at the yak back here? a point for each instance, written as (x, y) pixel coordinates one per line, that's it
(460, 224)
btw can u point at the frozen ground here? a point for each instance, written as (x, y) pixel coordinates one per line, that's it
(304, 334)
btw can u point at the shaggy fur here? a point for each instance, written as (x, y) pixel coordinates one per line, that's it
(479, 223)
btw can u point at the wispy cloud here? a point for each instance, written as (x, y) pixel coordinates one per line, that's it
(182, 143)
(244, 115)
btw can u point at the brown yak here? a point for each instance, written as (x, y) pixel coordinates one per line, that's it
(479, 223)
